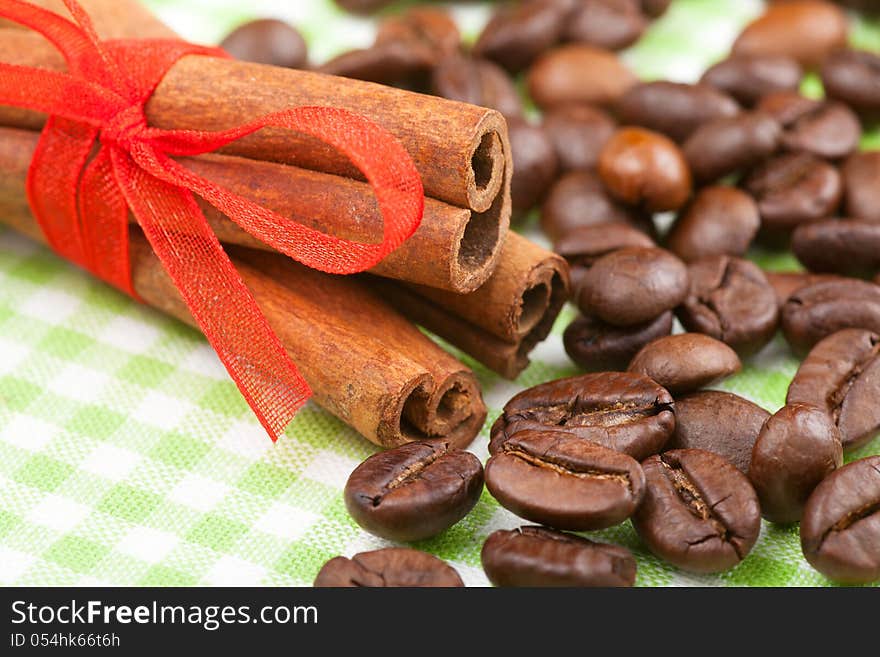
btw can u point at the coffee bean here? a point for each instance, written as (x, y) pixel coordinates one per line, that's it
(388, 567)
(750, 78)
(563, 481)
(727, 145)
(807, 30)
(730, 300)
(685, 362)
(577, 73)
(581, 247)
(267, 42)
(597, 346)
(844, 247)
(622, 411)
(797, 448)
(699, 513)
(787, 283)
(645, 169)
(535, 556)
(401, 63)
(534, 164)
(578, 133)
(819, 310)
(578, 199)
(861, 180)
(841, 374)
(674, 109)
(840, 530)
(655, 8)
(794, 188)
(853, 77)
(414, 491)
(478, 82)
(633, 286)
(826, 129)
(363, 6)
(719, 221)
(610, 24)
(431, 27)
(719, 422)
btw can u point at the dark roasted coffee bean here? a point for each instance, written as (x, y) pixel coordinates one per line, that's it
(672, 108)
(580, 199)
(391, 63)
(718, 422)
(645, 169)
(686, 361)
(797, 448)
(807, 30)
(819, 310)
(730, 144)
(788, 282)
(623, 411)
(578, 133)
(414, 491)
(655, 8)
(861, 180)
(730, 300)
(388, 567)
(843, 247)
(597, 346)
(699, 513)
(478, 82)
(565, 482)
(853, 77)
(534, 164)
(841, 374)
(748, 79)
(535, 556)
(576, 73)
(794, 188)
(633, 286)
(267, 41)
(719, 221)
(581, 247)
(431, 27)
(610, 24)
(840, 529)
(826, 129)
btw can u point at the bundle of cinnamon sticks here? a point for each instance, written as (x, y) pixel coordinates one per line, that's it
(462, 275)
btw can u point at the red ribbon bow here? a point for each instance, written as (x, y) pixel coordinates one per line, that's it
(81, 202)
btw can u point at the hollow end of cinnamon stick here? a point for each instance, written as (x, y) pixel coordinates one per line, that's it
(452, 410)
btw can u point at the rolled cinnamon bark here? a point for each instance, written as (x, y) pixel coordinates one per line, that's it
(453, 249)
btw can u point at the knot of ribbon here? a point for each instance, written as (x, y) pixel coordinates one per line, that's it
(98, 159)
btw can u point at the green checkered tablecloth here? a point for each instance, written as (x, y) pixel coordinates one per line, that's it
(128, 458)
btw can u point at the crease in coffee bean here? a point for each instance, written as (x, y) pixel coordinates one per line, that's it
(570, 415)
(853, 517)
(547, 462)
(839, 395)
(712, 307)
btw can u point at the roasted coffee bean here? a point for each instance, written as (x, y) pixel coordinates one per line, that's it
(645, 169)
(388, 567)
(622, 411)
(672, 108)
(267, 41)
(861, 180)
(518, 32)
(826, 129)
(819, 310)
(794, 188)
(578, 133)
(686, 361)
(431, 27)
(581, 247)
(535, 556)
(363, 6)
(478, 82)
(699, 513)
(719, 221)
(788, 282)
(414, 491)
(807, 30)
(580, 199)
(727, 145)
(402, 63)
(578, 74)
(609, 24)
(534, 164)
(797, 448)
(750, 78)
(565, 482)
(843, 247)
(853, 77)
(840, 529)
(655, 8)
(730, 300)
(718, 422)
(633, 286)
(841, 374)
(597, 346)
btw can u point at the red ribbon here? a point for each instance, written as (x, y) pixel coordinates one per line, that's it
(81, 201)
